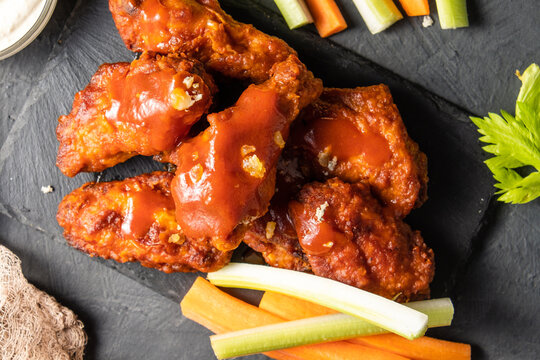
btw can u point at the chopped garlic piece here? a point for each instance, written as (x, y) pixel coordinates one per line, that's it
(195, 156)
(177, 239)
(253, 166)
(319, 213)
(180, 99)
(270, 228)
(332, 164)
(196, 173)
(247, 149)
(188, 81)
(328, 244)
(47, 189)
(278, 139)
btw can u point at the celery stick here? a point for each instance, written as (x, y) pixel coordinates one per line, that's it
(316, 330)
(373, 308)
(452, 13)
(378, 14)
(295, 12)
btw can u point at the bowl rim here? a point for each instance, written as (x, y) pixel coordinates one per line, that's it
(33, 32)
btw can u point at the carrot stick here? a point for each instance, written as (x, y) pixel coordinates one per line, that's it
(415, 7)
(424, 348)
(326, 16)
(220, 312)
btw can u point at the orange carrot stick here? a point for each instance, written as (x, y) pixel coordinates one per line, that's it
(326, 16)
(415, 7)
(220, 312)
(424, 348)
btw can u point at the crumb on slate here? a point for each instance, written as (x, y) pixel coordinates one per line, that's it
(47, 189)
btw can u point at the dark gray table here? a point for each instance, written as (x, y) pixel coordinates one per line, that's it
(494, 279)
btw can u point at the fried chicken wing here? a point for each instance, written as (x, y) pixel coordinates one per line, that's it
(325, 142)
(226, 175)
(347, 236)
(142, 108)
(202, 30)
(134, 220)
(358, 135)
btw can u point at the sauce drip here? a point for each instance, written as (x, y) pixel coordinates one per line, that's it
(346, 141)
(140, 212)
(317, 236)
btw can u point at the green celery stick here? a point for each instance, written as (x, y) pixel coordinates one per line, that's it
(295, 12)
(316, 330)
(378, 14)
(373, 308)
(452, 13)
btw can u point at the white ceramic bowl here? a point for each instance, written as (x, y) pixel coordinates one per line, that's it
(32, 32)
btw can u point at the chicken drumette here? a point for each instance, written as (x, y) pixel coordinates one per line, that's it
(134, 220)
(139, 108)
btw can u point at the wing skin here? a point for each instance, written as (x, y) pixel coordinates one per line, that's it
(348, 236)
(139, 108)
(201, 30)
(358, 135)
(226, 175)
(134, 220)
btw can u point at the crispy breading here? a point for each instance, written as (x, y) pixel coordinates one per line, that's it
(139, 108)
(202, 30)
(348, 236)
(134, 220)
(358, 135)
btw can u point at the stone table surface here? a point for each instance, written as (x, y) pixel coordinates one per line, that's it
(496, 287)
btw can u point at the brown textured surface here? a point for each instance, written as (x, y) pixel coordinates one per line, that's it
(109, 123)
(378, 252)
(401, 181)
(201, 29)
(93, 217)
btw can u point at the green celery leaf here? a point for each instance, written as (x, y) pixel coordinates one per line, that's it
(515, 142)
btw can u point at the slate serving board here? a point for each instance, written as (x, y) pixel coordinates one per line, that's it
(460, 187)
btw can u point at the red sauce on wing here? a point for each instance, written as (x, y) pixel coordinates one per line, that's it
(143, 100)
(315, 232)
(346, 141)
(141, 208)
(212, 190)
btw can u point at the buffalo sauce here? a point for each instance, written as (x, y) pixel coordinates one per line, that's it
(143, 101)
(316, 234)
(140, 212)
(345, 141)
(227, 173)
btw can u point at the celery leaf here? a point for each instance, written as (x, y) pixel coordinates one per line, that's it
(515, 142)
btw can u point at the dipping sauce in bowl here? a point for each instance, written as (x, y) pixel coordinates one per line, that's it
(21, 21)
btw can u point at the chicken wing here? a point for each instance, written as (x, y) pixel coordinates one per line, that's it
(142, 108)
(347, 236)
(358, 135)
(202, 30)
(134, 220)
(226, 174)
(326, 142)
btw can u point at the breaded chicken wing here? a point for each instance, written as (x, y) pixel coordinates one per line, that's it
(202, 30)
(226, 174)
(348, 236)
(134, 220)
(142, 108)
(358, 135)
(326, 142)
